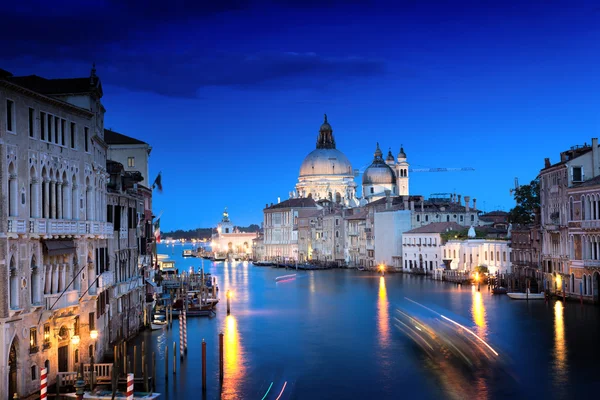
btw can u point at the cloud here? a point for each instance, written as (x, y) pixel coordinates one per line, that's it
(140, 47)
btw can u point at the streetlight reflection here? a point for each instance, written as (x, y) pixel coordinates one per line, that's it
(234, 360)
(383, 317)
(478, 312)
(560, 346)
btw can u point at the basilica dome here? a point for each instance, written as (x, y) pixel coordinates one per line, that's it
(325, 162)
(379, 173)
(325, 159)
(326, 173)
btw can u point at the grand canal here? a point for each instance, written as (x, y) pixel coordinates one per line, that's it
(334, 335)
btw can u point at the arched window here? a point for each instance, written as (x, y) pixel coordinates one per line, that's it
(584, 284)
(12, 191)
(14, 285)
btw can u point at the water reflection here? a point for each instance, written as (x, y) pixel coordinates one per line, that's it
(234, 360)
(383, 317)
(560, 366)
(478, 312)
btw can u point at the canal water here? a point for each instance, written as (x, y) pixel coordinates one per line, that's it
(335, 335)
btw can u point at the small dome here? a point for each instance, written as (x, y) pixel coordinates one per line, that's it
(390, 156)
(379, 173)
(402, 154)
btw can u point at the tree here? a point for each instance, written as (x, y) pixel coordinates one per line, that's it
(528, 202)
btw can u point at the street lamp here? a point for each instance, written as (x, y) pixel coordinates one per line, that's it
(382, 269)
(477, 280)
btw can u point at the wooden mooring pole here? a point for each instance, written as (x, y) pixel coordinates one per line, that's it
(166, 363)
(221, 357)
(203, 365)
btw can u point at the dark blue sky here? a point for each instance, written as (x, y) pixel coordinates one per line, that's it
(231, 94)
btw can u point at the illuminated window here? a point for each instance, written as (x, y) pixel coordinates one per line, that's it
(33, 346)
(131, 162)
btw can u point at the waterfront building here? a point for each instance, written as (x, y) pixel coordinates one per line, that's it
(355, 238)
(281, 228)
(497, 219)
(258, 247)
(576, 165)
(389, 227)
(132, 153)
(52, 225)
(466, 254)
(326, 173)
(526, 250)
(422, 247)
(584, 239)
(230, 241)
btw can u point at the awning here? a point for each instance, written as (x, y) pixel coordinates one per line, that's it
(58, 247)
(148, 280)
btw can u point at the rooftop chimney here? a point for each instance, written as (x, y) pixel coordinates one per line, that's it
(546, 163)
(467, 200)
(422, 205)
(459, 196)
(412, 205)
(474, 204)
(595, 158)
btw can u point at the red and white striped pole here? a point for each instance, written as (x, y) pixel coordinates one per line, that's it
(129, 386)
(185, 331)
(44, 384)
(181, 334)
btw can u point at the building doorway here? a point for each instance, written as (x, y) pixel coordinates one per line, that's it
(63, 359)
(12, 370)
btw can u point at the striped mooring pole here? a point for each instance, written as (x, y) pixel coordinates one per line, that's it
(181, 334)
(44, 384)
(185, 331)
(129, 386)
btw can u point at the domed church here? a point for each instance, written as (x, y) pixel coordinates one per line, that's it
(385, 176)
(326, 173)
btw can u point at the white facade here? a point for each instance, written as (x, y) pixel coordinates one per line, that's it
(52, 220)
(465, 255)
(130, 152)
(421, 251)
(229, 240)
(388, 229)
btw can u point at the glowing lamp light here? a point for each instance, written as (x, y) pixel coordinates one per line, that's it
(94, 334)
(229, 294)
(75, 339)
(381, 267)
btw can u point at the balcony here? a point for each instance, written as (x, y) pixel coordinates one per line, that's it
(64, 227)
(123, 288)
(56, 301)
(37, 226)
(591, 263)
(590, 224)
(16, 225)
(106, 280)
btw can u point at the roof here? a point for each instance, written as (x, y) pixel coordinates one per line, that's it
(590, 182)
(362, 214)
(497, 213)
(571, 154)
(437, 227)
(57, 86)
(295, 203)
(112, 137)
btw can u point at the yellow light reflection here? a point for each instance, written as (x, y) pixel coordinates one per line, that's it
(478, 312)
(560, 346)
(234, 360)
(383, 317)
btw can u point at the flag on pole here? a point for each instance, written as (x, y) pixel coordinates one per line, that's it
(157, 230)
(158, 183)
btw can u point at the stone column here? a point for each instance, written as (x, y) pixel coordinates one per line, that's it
(89, 212)
(54, 279)
(63, 277)
(47, 279)
(59, 200)
(52, 199)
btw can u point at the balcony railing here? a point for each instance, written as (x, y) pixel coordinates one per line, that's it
(37, 225)
(589, 224)
(16, 225)
(591, 263)
(69, 299)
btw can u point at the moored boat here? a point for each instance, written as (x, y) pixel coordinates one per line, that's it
(499, 290)
(526, 296)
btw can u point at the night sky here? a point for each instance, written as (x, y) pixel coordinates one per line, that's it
(231, 94)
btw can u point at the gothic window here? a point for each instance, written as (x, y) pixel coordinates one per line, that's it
(14, 285)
